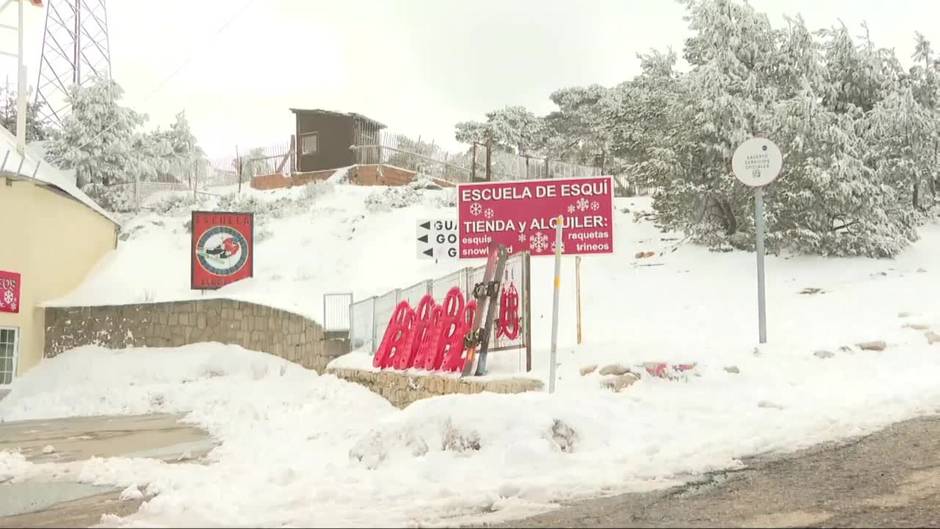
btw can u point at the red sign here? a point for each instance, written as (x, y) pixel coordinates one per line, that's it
(522, 216)
(9, 292)
(222, 248)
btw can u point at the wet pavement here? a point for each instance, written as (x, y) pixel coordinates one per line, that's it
(888, 479)
(69, 504)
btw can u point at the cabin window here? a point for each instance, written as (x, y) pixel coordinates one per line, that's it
(310, 143)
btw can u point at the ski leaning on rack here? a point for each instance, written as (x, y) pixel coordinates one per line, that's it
(486, 294)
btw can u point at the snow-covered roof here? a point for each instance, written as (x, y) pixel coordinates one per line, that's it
(334, 113)
(34, 167)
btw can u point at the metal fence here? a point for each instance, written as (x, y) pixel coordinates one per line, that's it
(369, 318)
(430, 159)
(336, 313)
(272, 159)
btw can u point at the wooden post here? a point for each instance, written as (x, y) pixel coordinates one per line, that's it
(528, 311)
(293, 154)
(473, 165)
(489, 161)
(577, 289)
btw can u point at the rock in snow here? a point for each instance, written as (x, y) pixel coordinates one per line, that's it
(620, 382)
(587, 370)
(614, 369)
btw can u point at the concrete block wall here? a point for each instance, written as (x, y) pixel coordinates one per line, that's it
(401, 389)
(172, 324)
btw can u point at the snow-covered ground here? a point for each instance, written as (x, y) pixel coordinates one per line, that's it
(302, 449)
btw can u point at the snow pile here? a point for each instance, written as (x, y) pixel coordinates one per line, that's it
(340, 176)
(307, 450)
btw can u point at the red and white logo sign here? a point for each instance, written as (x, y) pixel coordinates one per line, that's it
(522, 216)
(9, 292)
(222, 251)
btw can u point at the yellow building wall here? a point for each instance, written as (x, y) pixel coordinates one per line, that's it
(53, 241)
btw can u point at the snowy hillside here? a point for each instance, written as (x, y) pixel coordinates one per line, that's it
(302, 449)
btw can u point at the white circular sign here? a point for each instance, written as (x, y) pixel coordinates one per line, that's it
(757, 162)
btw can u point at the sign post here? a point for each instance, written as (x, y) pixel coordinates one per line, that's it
(559, 221)
(756, 163)
(577, 291)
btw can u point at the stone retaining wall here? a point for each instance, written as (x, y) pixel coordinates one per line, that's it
(401, 389)
(176, 323)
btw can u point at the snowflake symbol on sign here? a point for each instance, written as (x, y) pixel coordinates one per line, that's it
(570, 209)
(538, 242)
(489, 213)
(582, 204)
(8, 298)
(522, 237)
(476, 209)
(555, 246)
(595, 205)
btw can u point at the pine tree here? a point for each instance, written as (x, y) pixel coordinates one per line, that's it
(97, 140)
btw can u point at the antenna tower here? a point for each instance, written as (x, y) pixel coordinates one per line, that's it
(75, 50)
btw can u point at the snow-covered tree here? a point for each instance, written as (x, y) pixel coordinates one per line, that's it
(513, 129)
(97, 140)
(35, 129)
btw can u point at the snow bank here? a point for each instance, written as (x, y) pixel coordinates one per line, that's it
(308, 450)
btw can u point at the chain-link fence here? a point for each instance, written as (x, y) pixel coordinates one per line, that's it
(369, 318)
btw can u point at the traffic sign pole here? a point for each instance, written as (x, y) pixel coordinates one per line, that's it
(756, 163)
(761, 296)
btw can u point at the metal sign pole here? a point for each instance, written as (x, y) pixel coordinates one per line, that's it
(756, 163)
(577, 289)
(551, 368)
(761, 296)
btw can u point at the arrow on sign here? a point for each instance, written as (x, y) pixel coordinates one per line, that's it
(423, 238)
(426, 225)
(429, 252)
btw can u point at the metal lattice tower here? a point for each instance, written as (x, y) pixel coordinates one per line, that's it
(75, 50)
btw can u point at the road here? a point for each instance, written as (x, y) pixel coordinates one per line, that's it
(69, 504)
(887, 479)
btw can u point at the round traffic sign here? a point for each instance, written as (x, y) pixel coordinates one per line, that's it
(757, 162)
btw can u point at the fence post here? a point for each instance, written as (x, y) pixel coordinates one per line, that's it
(372, 345)
(527, 167)
(547, 167)
(291, 155)
(351, 327)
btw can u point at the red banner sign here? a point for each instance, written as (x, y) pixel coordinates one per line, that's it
(222, 248)
(522, 216)
(9, 292)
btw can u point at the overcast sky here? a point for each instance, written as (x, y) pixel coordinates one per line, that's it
(419, 66)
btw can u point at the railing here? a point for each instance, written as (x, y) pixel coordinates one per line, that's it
(368, 318)
(273, 159)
